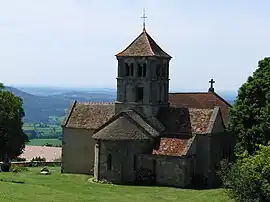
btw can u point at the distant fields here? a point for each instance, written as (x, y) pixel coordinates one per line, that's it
(42, 142)
(42, 130)
(46, 128)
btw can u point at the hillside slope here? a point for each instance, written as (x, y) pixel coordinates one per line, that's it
(40, 108)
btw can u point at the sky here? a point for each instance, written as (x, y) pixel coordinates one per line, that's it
(72, 43)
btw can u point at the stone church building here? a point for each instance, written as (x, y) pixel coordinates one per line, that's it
(148, 135)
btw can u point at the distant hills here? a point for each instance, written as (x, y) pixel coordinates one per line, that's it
(42, 103)
(39, 108)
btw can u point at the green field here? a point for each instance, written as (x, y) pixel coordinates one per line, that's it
(30, 186)
(42, 127)
(42, 142)
(42, 130)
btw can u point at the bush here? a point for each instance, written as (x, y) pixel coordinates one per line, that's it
(248, 179)
(18, 168)
(38, 159)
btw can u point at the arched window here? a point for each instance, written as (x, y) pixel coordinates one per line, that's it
(109, 162)
(141, 70)
(129, 69)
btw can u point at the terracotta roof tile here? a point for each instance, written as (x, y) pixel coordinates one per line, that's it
(89, 115)
(185, 120)
(171, 147)
(144, 46)
(201, 100)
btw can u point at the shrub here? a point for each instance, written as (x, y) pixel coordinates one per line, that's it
(248, 179)
(38, 159)
(18, 168)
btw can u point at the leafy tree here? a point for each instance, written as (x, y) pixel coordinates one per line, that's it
(250, 115)
(12, 137)
(248, 179)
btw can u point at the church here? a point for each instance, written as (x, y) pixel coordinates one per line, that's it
(148, 136)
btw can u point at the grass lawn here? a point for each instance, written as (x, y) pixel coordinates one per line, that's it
(41, 142)
(30, 186)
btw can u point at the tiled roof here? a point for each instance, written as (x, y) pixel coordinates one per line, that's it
(89, 115)
(121, 128)
(201, 100)
(144, 46)
(138, 119)
(185, 120)
(171, 147)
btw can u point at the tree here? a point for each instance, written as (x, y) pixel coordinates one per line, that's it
(250, 115)
(248, 179)
(12, 137)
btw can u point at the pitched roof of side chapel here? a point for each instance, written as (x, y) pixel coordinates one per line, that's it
(171, 147)
(185, 120)
(126, 125)
(88, 115)
(143, 46)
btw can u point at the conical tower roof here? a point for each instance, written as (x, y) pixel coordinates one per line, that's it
(143, 46)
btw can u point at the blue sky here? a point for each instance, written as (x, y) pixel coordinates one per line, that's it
(65, 43)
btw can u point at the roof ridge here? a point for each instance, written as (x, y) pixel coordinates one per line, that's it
(65, 122)
(149, 44)
(189, 93)
(138, 125)
(96, 103)
(221, 98)
(212, 120)
(129, 44)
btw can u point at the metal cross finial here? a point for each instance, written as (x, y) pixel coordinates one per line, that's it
(211, 85)
(144, 17)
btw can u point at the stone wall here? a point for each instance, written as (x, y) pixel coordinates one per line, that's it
(156, 88)
(36, 163)
(122, 156)
(77, 151)
(169, 170)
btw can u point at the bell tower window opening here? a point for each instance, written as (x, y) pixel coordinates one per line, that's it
(139, 94)
(144, 70)
(129, 69)
(164, 70)
(141, 70)
(158, 68)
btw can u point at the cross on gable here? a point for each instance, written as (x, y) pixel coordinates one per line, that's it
(144, 17)
(211, 85)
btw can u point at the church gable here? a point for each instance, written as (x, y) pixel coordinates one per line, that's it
(88, 115)
(143, 123)
(121, 127)
(185, 121)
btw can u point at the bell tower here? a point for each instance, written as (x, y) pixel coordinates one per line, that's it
(143, 76)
